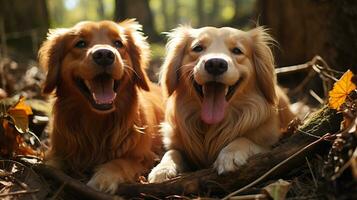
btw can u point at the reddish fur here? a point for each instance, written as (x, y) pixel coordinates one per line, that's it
(83, 139)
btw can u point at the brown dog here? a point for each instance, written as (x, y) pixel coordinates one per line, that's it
(105, 118)
(223, 102)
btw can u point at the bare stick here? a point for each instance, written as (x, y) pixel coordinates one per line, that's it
(18, 193)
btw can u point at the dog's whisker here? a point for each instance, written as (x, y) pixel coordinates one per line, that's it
(126, 66)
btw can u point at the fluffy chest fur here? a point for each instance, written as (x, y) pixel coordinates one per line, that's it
(201, 142)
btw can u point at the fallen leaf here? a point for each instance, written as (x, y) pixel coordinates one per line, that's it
(278, 189)
(19, 114)
(340, 90)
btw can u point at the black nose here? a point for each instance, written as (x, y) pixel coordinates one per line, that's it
(103, 57)
(216, 66)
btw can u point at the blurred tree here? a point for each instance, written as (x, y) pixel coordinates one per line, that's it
(101, 12)
(200, 12)
(56, 10)
(306, 28)
(242, 13)
(216, 7)
(165, 14)
(176, 16)
(140, 10)
(23, 25)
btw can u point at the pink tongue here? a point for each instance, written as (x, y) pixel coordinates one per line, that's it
(214, 103)
(102, 91)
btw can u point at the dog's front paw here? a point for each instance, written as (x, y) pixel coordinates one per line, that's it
(105, 181)
(229, 160)
(161, 173)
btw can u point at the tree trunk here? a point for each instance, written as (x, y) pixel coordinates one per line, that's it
(214, 15)
(139, 9)
(200, 12)
(23, 25)
(165, 14)
(101, 11)
(306, 28)
(176, 14)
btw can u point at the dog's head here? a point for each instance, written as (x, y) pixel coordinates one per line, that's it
(94, 60)
(220, 65)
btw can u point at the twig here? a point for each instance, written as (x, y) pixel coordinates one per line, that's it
(317, 97)
(275, 168)
(24, 186)
(312, 173)
(71, 185)
(58, 192)
(19, 192)
(250, 197)
(292, 69)
(317, 65)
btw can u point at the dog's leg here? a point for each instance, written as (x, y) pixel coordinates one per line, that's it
(236, 154)
(171, 164)
(109, 175)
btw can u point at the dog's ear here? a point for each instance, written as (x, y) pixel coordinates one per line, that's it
(50, 56)
(264, 63)
(175, 49)
(138, 50)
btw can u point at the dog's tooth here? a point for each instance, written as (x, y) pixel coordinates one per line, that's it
(226, 90)
(87, 84)
(112, 83)
(204, 89)
(95, 99)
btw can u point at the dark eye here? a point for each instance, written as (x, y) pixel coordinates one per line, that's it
(118, 44)
(197, 48)
(236, 50)
(81, 44)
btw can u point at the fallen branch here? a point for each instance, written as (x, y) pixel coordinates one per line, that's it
(205, 182)
(75, 187)
(21, 192)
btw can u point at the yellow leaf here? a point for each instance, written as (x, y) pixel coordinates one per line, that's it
(340, 90)
(19, 114)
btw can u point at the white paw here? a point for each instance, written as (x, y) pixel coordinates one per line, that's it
(229, 161)
(105, 181)
(162, 173)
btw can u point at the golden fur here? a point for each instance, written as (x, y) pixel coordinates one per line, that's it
(118, 143)
(254, 116)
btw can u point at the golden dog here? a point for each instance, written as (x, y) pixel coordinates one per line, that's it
(105, 118)
(223, 102)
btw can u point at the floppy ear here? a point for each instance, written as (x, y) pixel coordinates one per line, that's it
(264, 63)
(139, 51)
(175, 49)
(50, 56)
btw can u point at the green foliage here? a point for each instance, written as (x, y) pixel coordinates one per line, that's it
(157, 51)
(65, 13)
(167, 13)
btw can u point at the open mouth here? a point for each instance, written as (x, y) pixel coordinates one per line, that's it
(215, 97)
(100, 91)
(229, 91)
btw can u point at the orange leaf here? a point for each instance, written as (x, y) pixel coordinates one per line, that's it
(341, 90)
(19, 113)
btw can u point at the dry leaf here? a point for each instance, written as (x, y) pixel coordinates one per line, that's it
(19, 114)
(278, 189)
(340, 90)
(354, 164)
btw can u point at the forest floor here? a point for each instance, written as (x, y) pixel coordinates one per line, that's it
(317, 159)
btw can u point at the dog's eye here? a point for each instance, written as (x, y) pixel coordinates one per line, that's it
(197, 48)
(81, 44)
(237, 51)
(118, 44)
